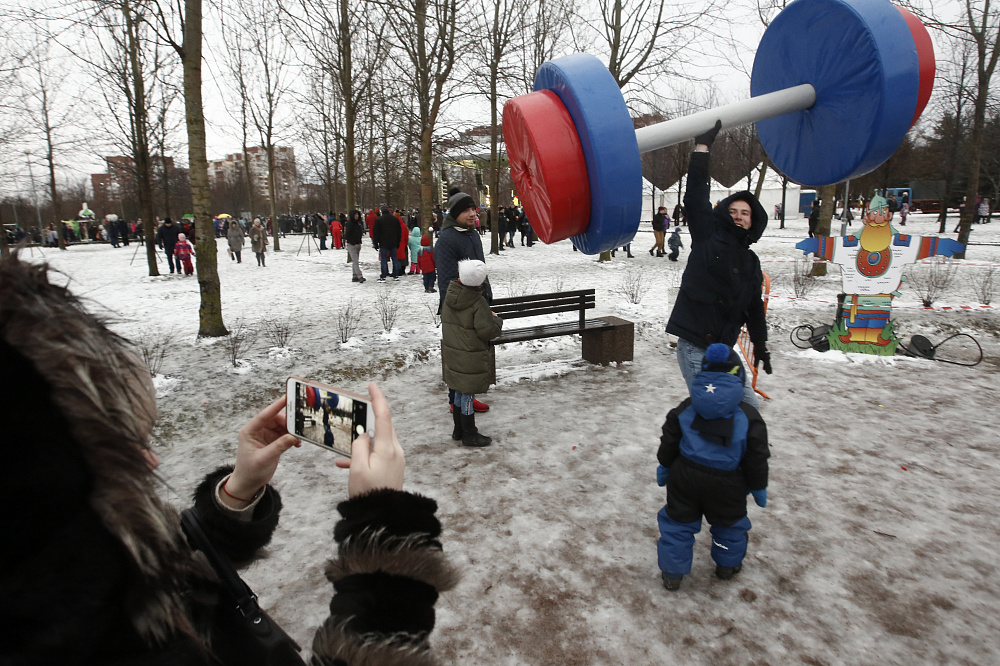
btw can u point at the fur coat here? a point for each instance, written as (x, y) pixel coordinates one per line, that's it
(95, 568)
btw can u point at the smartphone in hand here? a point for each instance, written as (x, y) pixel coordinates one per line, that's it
(326, 416)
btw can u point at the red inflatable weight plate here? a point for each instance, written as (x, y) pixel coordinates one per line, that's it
(547, 165)
(925, 56)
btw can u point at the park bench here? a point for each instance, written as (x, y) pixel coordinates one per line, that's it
(605, 339)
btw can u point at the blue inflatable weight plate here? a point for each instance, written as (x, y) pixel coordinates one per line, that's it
(590, 94)
(860, 57)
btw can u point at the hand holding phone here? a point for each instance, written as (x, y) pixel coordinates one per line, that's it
(326, 416)
(379, 464)
(261, 443)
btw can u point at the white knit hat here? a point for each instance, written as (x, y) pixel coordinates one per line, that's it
(472, 272)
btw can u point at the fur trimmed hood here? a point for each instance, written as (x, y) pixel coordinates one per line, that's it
(82, 411)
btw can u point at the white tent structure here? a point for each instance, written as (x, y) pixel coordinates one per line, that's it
(770, 195)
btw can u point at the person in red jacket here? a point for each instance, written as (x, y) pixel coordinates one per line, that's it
(370, 222)
(183, 251)
(404, 245)
(425, 259)
(336, 229)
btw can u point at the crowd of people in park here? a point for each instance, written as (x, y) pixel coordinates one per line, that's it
(129, 588)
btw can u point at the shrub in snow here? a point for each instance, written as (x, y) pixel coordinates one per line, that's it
(240, 340)
(153, 345)
(982, 282)
(634, 286)
(387, 308)
(803, 280)
(277, 330)
(931, 280)
(435, 317)
(348, 320)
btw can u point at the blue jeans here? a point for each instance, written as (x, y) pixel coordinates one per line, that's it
(169, 250)
(689, 358)
(464, 402)
(385, 256)
(322, 242)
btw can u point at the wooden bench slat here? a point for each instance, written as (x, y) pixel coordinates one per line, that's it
(528, 298)
(535, 312)
(541, 303)
(549, 331)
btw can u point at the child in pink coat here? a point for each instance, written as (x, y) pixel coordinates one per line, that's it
(183, 251)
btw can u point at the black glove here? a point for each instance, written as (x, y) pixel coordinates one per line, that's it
(709, 137)
(761, 355)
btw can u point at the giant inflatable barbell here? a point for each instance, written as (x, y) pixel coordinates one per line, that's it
(835, 86)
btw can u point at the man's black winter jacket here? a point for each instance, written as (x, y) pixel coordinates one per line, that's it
(387, 232)
(721, 287)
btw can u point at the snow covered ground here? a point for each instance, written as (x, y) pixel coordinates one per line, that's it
(878, 545)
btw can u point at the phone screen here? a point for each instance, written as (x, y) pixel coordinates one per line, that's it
(328, 418)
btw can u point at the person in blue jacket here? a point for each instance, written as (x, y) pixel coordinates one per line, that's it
(713, 452)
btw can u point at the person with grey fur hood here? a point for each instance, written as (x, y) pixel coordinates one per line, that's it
(721, 286)
(95, 568)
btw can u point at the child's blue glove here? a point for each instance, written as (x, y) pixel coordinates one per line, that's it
(760, 497)
(661, 475)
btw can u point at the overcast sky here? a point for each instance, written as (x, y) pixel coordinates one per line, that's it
(724, 65)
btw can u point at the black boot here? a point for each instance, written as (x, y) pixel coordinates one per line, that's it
(470, 434)
(456, 434)
(727, 573)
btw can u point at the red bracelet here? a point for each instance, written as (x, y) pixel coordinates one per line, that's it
(240, 499)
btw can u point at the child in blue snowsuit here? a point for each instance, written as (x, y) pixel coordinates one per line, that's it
(712, 453)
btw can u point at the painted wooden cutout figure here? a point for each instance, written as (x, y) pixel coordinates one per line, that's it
(871, 266)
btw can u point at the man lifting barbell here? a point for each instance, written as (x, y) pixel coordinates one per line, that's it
(721, 286)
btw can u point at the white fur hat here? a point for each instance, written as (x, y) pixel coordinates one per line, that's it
(472, 272)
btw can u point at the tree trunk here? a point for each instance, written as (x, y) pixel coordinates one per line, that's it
(975, 155)
(53, 191)
(140, 132)
(784, 190)
(760, 178)
(350, 110)
(273, 195)
(210, 311)
(426, 177)
(826, 195)
(5, 246)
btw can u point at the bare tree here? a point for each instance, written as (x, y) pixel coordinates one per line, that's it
(546, 34)
(322, 131)
(127, 64)
(979, 25)
(431, 50)
(500, 22)
(11, 129)
(348, 41)
(49, 113)
(170, 20)
(641, 39)
(267, 83)
(236, 57)
(953, 97)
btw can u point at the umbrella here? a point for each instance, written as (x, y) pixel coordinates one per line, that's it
(224, 216)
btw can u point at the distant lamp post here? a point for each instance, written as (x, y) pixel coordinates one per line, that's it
(31, 176)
